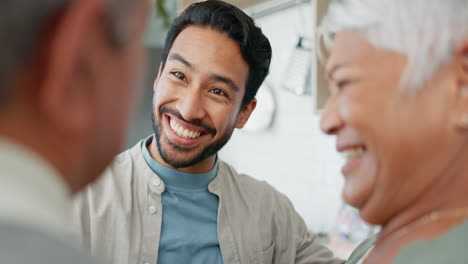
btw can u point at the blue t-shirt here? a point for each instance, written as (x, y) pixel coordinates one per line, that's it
(190, 215)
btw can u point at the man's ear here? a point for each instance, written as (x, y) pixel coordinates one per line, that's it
(59, 96)
(157, 77)
(461, 66)
(245, 113)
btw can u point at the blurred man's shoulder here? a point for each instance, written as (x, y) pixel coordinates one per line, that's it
(23, 244)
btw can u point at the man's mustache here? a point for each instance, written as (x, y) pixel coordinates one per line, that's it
(195, 122)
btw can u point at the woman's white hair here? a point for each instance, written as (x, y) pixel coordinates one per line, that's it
(428, 32)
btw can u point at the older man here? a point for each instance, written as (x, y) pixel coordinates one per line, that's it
(68, 71)
(170, 199)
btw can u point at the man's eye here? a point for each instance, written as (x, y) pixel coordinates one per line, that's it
(179, 75)
(218, 91)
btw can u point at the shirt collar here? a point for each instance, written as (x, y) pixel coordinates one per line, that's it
(32, 192)
(177, 179)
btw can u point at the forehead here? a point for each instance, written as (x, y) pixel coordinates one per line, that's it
(350, 47)
(213, 52)
(352, 50)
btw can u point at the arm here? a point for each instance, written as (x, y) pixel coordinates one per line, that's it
(310, 250)
(308, 247)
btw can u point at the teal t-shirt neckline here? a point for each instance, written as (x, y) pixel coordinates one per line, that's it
(189, 227)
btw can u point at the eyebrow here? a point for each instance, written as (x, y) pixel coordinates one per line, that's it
(225, 80)
(181, 59)
(228, 81)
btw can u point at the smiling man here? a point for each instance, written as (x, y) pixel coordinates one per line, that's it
(170, 199)
(198, 97)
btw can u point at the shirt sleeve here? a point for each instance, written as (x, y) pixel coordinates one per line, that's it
(309, 249)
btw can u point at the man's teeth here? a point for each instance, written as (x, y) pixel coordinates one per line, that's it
(353, 153)
(183, 132)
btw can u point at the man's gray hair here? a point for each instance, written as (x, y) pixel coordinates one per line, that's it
(23, 22)
(428, 32)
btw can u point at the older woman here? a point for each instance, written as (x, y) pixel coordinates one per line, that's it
(398, 75)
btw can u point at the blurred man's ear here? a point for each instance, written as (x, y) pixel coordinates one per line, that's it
(245, 113)
(64, 96)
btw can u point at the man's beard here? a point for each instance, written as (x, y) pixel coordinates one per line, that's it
(176, 159)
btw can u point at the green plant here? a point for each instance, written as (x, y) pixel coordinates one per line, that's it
(161, 10)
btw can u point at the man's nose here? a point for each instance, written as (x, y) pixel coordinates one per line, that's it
(190, 104)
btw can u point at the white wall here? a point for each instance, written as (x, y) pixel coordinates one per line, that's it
(294, 156)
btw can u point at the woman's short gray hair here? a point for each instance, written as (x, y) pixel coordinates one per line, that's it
(22, 24)
(428, 32)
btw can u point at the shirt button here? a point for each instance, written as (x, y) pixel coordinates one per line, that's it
(156, 182)
(152, 209)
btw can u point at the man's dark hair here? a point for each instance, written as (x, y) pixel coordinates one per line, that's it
(228, 19)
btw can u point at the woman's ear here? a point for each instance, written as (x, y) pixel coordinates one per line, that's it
(461, 66)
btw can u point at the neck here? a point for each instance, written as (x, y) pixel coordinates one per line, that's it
(429, 226)
(431, 216)
(452, 185)
(202, 167)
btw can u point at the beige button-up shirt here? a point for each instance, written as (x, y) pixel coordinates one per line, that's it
(120, 217)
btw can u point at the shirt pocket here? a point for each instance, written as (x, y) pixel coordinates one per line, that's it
(265, 257)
